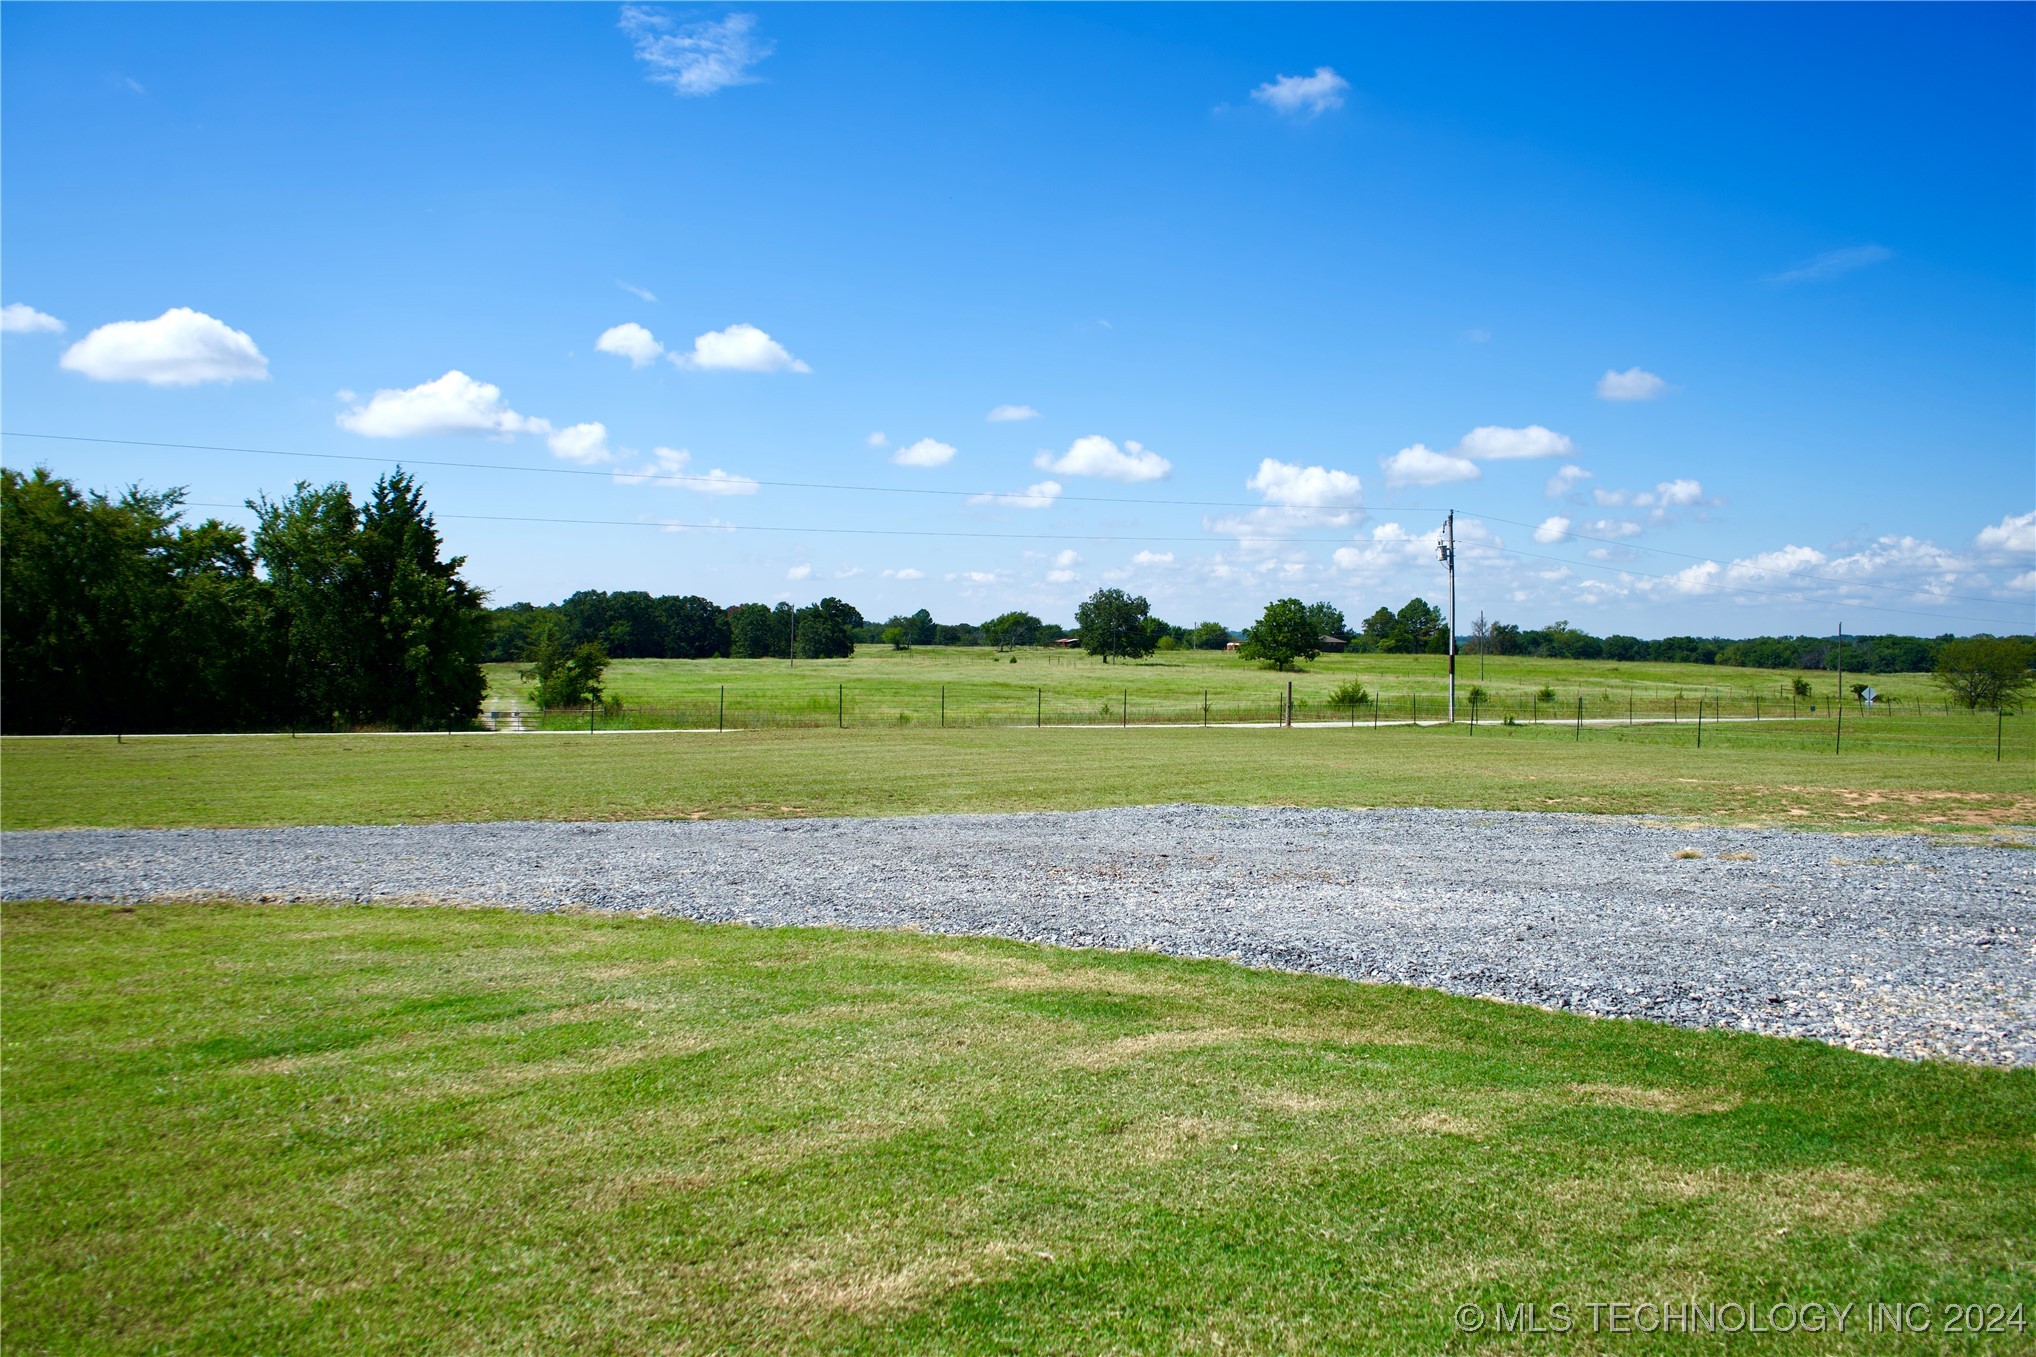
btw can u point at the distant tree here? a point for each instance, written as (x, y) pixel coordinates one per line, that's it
(567, 675)
(692, 628)
(757, 632)
(1379, 626)
(921, 630)
(826, 630)
(1112, 625)
(1011, 629)
(1283, 637)
(1984, 671)
(1800, 687)
(1326, 619)
(1505, 638)
(896, 635)
(1418, 622)
(1209, 636)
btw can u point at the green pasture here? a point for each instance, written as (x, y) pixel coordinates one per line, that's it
(243, 1129)
(1922, 773)
(963, 686)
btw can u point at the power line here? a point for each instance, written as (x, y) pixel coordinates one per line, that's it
(679, 478)
(669, 525)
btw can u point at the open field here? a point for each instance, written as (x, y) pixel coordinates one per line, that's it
(1776, 773)
(960, 686)
(240, 1129)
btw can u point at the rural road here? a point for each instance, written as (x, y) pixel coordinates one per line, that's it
(1901, 946)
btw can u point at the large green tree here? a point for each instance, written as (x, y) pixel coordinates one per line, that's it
(826, 630)
(1112, 625)
(1986, 671)
(1284, 636)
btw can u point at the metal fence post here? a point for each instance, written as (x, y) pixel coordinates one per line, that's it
(721, 712)
(1205, 708)
(1290, 704)
(1038, 708)
(1124, 714)
(943, 706)
(840, 706)
(1700, 723)
(1579, 716)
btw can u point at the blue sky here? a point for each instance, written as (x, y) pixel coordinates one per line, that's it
(1271, 287)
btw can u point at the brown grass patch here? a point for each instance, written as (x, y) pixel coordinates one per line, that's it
(1655, 1099)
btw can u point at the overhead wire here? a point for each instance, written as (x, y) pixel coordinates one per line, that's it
(968, 495)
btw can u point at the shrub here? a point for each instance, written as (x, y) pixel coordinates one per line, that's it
(1547, 694)
(1350, 693)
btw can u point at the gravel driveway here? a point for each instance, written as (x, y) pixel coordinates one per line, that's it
(1895, 945)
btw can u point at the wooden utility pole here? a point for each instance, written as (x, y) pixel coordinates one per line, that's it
(1447, 548)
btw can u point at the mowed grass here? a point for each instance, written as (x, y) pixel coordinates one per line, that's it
(980, 685)
(251, 1129)
(1774, 774)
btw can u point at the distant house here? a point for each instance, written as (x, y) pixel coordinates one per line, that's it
(1232, 646)
(1330, 644)
(1068, 642)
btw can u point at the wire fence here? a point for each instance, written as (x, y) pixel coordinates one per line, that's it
(1735, 721)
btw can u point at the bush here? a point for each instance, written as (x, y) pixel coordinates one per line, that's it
(1350, 694)
(1547, 694)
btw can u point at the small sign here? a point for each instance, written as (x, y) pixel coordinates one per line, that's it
(1867, 695)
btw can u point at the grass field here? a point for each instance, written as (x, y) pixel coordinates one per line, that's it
(1777, 773)
(249, 1129)
(959, 686)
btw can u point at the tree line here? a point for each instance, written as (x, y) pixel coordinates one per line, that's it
(119, 615)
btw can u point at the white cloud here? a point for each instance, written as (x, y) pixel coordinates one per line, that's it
(1762, 567)
(1303, 96)
(1062, 576)
(1614, 528)
(977, 576)
(1039, 496)
(1095, 455)
(876, 439)
(630, 340)
(1679, 493)
(1832, 264)
(695, 59)
(1153, 558)
(848, 572)
(926, 452)
(454, 403)
(671, 467)
(1634, 384)
(799, 572)
(908, 573)
(1296, 497)
(1066, 557)
(1420, 465)
(586, 444)
(19, 318)
(640, 293)
(2024, 582)
(1564, 481)
(181, 347)
(1011, 414)
(1497, 443)
(1553, 529)
(739, 348)
(2015, 533)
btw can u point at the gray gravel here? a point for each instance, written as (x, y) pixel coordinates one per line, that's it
(1895, 945)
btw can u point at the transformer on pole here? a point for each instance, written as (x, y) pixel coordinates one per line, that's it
(1446, 548)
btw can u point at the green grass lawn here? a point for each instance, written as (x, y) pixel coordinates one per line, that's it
(250, 1129)
(978, 685)
(1777, 773)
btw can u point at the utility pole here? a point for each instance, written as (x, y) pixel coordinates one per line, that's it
(792, 646)
(1447, 549)
(1838, 740)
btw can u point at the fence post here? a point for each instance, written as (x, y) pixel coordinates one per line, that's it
(943, 706)
(1038, 708)
(1997, 734)
(1205, 708)
(721, 712)
(1676, 712)
(1579, 716)
(1290, 704)
(590, 718)
(1700, 723)
(1124, 712)
(840, 706)
(1629, 708)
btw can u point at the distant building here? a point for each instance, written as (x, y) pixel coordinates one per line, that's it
(1330, 644)
(1232, 646)
(1067, 642)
